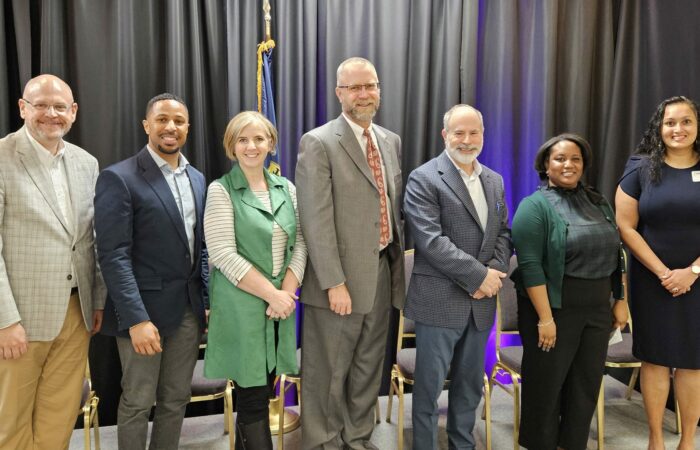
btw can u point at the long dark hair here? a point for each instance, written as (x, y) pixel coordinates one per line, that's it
(652, 145)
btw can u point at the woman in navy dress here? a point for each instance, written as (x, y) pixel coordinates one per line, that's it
(658, 212)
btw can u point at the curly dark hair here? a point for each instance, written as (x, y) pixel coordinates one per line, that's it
(542, 155)
(652, 145)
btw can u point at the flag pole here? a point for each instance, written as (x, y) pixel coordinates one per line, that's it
(268, 19)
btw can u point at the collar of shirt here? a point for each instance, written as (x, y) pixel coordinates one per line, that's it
(162, 164)
(358, 132)
(465, 175)
(44, 155)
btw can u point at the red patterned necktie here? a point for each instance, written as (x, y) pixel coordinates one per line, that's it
(375, 166)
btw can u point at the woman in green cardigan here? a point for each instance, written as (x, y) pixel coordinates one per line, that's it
(569, 262)
(257, 257)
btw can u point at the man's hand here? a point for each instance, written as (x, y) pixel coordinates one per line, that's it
(339, 299)
(97, 321)
(13, 341)
(145, 338)
(491, 284)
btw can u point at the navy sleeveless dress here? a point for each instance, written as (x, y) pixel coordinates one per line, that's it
(666, 329)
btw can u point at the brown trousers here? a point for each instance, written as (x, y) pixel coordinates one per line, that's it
(40, 391)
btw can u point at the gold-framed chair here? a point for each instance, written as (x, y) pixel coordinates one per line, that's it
(508, 359)
(402, 372)
(620, 356)
(88, 409)
(205, 389)
(277, 406)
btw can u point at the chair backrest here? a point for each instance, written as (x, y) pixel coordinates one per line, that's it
(508, 302)
(407, 327)
(408, 257)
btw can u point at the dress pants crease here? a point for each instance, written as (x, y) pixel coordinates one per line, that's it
(164, 379)
(342, 358)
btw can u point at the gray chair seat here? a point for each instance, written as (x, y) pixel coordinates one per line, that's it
(204, 386)
(86, 391)
(406, 360)
(512, 357)
(622, 351)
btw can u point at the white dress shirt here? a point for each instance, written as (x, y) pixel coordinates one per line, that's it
(476, 190)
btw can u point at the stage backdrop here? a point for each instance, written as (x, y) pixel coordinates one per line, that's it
(534, 67)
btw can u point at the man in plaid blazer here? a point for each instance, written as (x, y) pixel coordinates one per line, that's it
(51, 290)
(456, 211)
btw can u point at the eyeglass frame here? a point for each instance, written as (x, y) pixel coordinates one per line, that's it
(357, 88)
(46, 108)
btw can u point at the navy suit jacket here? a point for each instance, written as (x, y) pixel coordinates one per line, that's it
(453, 250)
(143, 249)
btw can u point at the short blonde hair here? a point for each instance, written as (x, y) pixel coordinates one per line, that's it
(239, 122)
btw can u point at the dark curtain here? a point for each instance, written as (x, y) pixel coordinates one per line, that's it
(533, 67)
(656, 58)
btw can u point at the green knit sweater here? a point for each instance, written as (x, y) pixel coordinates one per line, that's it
(539, 238)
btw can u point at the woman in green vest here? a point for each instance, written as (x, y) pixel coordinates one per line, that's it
(257, 256)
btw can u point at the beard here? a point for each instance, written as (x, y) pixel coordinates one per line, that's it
(168, 151)
(462, 158)
(364, 114)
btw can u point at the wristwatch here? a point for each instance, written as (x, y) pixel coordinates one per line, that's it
(695, 269)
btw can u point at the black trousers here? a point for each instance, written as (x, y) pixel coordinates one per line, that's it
(560, 387)
(253, 403)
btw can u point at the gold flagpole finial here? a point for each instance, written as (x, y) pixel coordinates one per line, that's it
(268, 19)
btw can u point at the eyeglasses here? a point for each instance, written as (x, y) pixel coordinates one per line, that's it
(59, 108)
(357, 88)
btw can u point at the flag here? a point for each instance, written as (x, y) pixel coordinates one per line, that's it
(266, 97)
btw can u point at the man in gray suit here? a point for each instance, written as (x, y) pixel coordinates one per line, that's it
(456, 211)
(51, 291)
(349, 189)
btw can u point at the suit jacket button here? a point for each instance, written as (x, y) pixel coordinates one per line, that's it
(73, 248)
(69, 277)
(376, 251)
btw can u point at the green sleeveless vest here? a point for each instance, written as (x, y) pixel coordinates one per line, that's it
(241, 341)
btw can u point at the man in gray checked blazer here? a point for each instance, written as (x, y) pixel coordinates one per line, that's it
(51, 291)
(349, 206)
(456, 211)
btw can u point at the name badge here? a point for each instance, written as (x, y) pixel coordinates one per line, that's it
(696, 176)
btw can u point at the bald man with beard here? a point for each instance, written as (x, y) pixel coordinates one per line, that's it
(51, 291)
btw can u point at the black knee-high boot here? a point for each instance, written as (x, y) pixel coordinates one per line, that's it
(254, 436)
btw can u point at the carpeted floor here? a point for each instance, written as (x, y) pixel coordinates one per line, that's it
(625, 427)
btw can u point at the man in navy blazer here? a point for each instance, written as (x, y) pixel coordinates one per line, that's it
(456, 211)
(148, 223)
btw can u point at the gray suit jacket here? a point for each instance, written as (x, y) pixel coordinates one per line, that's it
(38, 245)
(452, 249)
(337, 196)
